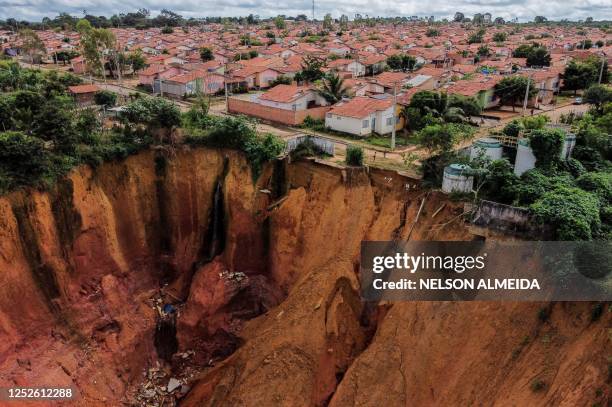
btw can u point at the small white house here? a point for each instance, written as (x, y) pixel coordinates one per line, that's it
(356, 68)
(362, 116)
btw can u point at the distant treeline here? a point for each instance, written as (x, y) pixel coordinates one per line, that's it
(142, 19)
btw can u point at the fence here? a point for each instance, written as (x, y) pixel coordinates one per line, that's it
(273, 114)
(325, 145)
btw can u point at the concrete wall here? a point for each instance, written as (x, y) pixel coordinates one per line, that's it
(283, 116)
(324, 144)
(300, 103)
(507, 219)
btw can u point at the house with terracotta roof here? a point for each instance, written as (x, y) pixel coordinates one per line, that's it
(190, 83)
(481, 87)
(83, 95)
(257, 76)
(353, 67)
(286, 104)
(391, 80)
(157, 71)
(362, 116)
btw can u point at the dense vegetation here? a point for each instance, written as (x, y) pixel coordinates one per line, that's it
(574, 196)
(238, 133)
(43, 134)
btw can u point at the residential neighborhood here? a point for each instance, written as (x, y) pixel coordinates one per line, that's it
(274, 71)
(386, 203)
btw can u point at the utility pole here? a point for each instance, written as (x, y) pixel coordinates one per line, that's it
(526, 95)
(313, 20)
(603, 61)
(226, 97)
(394, 119)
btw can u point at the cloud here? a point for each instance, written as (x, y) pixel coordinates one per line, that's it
(525, 10)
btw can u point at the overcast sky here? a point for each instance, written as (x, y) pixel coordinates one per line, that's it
(525, 10)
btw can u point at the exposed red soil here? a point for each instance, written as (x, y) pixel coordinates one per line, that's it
(274, 317)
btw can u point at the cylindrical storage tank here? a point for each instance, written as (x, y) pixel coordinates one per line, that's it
(525, 160)
(457, 178)
(568, 145)
(490, 147)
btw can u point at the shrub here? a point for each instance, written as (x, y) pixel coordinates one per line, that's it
(572, 213)
(105, 98)
(23, 159)
(238, 133)
(599, 183)
(306, 149)
(546, 146)
(500, 182)
(354, 156)
(513, 128)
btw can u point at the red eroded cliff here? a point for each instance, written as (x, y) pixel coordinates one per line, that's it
(264, 279)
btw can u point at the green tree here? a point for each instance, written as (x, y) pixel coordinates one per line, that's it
(328, 22)
(500, 36)
(546, 145)
(600, 183)
(512, 89)
(598, 95)
(96, 44)
(477, 37)
(333, 89)
(499, 183)
(312, 68)
(279, 22)
(105, 98)
(437, 138)
(158, 115)
(451, 109)
(483, 51)
(432, 32)
(55, 123)
(31, 44)
(137, 61)
(23, 159)
(522, 51)
(573, 214)
(402, 62)
(538, 56)
(354, 156)
(580, 74)
(206, 54)
(513, 129)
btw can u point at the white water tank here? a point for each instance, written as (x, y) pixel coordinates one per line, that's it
(490, 147)
(457, 178)
(568, 145)
(525, 160)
